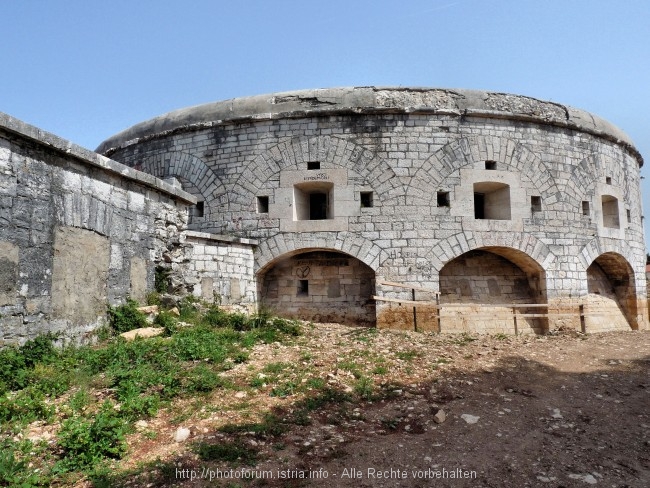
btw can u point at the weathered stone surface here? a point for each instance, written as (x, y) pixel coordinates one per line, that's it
(8, 272)
(77, 232)
(79, 275)
(143, 332)
(138, 276)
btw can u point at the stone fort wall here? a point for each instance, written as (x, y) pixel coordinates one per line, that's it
(407, 181)
(77, 232)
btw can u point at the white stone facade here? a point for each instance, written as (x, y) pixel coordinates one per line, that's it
(407, 181)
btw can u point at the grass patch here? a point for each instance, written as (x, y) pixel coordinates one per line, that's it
(380, 370)
(408, 355)
(136, 380)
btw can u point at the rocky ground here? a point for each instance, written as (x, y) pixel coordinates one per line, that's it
(417, 410)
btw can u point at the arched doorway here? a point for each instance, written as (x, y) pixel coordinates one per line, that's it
(483, 287)
(611, 303)
(319, 285)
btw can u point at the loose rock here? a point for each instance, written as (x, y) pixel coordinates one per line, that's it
(470, 419)
(182, 434)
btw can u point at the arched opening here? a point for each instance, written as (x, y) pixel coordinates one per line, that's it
(611, 303)
(320, 285)
(486, 289)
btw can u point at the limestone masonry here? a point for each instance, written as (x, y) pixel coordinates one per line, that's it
(502, 212)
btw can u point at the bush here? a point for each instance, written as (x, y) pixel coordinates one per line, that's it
(161, 280)
(153, 298)
(14, 374)
(189, 308)
(39, 350)
(26, 406)
(15, 471)
(167, 321)
(16, 364)
(126, 317)
(203, 379)
(215, 317)
(86, 442)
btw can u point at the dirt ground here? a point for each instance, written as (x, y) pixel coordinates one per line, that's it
(558, 411)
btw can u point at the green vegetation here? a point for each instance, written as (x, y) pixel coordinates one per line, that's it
(126, 317)
(408, 355)
(39, 381)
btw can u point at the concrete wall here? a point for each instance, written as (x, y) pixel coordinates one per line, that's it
(404, 146)
(77, 232)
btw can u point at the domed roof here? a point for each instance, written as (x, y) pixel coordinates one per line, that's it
(369, 100)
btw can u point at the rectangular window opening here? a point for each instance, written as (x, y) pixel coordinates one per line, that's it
(585, 208)
(492, 201)
(313, 165)
(262, 205)
(443, 199)
(199, 209)
(303, 288)
(490, 165)
(313, 201)
(608, 180)
(317, 206)
(536, 203)
(366, 199)
(610, 212)
(629, 216)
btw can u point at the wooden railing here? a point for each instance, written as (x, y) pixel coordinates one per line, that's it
(514, 307)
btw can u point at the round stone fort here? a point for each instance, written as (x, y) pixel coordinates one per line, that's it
(412, 208)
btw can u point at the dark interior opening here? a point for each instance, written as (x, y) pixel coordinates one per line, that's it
(317, 206)
(366, 199)
(303, 288)
(479, 205)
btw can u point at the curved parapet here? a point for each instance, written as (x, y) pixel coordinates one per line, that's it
(369, 100)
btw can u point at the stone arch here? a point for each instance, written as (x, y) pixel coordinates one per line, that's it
(483, 289)
(293, 154)
(283, 245)
(469, 150)
(321, 285)
(595, 167)
(447, 249)
(187, 168)
(602, 245)
(611, 302)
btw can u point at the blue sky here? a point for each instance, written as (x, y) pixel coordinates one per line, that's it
(86, 69)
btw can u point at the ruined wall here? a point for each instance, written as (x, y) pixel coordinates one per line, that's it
(77, 232)
(421, 154)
